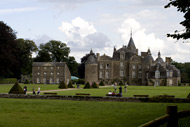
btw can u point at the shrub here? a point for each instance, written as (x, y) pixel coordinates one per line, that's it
(101, 83)
(94, 85)
(70, 85)
(121, 83)
(62, 85)
(26, 81)
(80, 81)
(87, 86)
(16, 89)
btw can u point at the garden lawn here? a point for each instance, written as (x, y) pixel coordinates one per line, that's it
(178, 91)
(6, 88)
(61, 113)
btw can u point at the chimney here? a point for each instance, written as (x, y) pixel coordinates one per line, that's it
(97, 55)
(168, 60)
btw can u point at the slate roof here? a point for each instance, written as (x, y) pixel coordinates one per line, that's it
(38, 64)
(91, 60)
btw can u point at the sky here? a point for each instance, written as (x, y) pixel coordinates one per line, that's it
(98, 25)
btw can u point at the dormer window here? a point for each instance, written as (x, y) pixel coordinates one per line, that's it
(122, 55)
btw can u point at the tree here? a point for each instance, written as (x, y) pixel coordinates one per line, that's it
(43, 56)
(72, 65)
(25, 49)
(58, 51)
(9, 65)
(182, 6)
(81, 68)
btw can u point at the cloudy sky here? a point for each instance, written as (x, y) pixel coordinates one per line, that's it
(98, 24)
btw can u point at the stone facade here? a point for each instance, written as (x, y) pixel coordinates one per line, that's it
(50, 72)
(128, 66)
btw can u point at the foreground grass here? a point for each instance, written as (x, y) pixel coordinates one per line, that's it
(59, 113)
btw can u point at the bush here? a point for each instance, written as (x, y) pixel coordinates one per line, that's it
(87, 86)
(70, 85)
(16, 89)
(62, 85)
(101, 83)
(26, 81)
(8, 80)
(121, 83)
(94, 85)
(80, 81)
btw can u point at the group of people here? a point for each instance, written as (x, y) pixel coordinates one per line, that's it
(120, 90)
(33, 90)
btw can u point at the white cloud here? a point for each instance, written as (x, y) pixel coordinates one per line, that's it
(144, 40)
(82, 36)
(16, 10)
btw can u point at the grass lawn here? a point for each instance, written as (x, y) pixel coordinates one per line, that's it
(178, 91)
(59, 113)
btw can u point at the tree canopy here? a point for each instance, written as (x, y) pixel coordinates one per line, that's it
(8, 58)
(184, 7)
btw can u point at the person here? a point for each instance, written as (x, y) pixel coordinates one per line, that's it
(115, 87)
(25, 89)
(34, 93)
(125, 88)
(110, 93)
(120, 91)
(39, 90)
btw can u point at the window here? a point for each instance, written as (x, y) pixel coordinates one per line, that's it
(171, 73)
(133, 74)
(38, 80)
(38, 67)
(157, 74)
(170, 82)
(101, 74)
(44, 80)
(121, 64)
(51, 73)
(57, 81)
(38, 73)
(57, 73)
(50, 80)
(140, 67)
(133, 66)
(101, 66)
(45, 73)
(44, 67)
(107, 74)
(140, 74)
(167, 73)
(122, 56)
(57, 67)
(121, 73)
(107, 66)
(51, 67)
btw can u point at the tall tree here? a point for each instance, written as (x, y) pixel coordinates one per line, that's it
(182, 6)
(58, 51)
(73, 66)
(8, 61)
(25, 49)
(43, 56)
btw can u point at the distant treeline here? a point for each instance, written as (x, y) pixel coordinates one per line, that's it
(185, 71)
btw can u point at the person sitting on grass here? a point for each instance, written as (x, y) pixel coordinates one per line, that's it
(109, 93)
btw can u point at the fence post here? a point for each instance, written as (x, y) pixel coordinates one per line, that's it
(173, 121)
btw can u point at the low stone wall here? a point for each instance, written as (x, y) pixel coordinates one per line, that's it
(96, 98)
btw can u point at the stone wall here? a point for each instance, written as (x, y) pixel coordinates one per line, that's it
(97, 98)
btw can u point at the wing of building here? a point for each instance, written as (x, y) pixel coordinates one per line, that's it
(128, 66)
(50, 72)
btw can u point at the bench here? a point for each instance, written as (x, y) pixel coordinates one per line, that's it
(49, 93)
(166, 96)
(140, 95)
(82, 94)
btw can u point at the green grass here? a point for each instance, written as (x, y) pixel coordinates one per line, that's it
(178, 91)
(61, 113)
(181, 91)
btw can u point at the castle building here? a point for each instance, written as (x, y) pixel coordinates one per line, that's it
(126, 65)
(50, 72)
